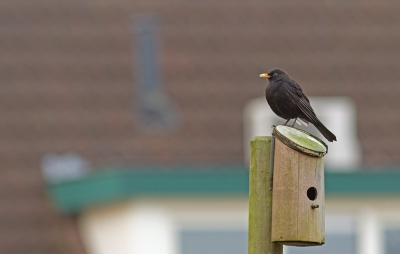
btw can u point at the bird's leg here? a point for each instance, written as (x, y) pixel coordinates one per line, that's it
(286, 121)
(294, 122)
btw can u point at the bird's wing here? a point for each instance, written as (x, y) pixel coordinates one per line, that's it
(301, 100)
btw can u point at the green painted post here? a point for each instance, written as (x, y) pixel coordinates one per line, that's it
(260, 201)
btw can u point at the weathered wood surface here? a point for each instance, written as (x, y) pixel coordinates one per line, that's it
(260, 199)
(295, 222)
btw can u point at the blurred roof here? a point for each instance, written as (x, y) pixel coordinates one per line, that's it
(68, 82)
(68, 85)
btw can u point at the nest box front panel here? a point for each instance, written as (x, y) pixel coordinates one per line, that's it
(298, 198)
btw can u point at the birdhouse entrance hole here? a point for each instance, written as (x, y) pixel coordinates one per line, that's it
(312, 193)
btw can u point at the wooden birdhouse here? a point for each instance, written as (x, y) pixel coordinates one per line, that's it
(298, 202)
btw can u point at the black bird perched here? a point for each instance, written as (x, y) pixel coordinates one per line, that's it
(287, 100)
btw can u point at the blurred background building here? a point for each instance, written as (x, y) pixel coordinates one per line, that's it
(122, 122)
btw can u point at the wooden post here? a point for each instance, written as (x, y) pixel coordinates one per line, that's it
(260, 201)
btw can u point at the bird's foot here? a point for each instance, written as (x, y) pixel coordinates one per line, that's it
(294, 122)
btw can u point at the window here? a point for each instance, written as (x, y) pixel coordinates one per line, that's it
(391, 234)
(221, 241)
(337, 113)
(340, 237)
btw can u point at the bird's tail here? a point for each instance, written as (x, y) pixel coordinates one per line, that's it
(327, 133)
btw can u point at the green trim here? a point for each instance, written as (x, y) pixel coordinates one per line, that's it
(114, 184)
(363, 182)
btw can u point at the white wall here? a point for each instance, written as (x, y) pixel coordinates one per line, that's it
(144, 226)
(148, 226)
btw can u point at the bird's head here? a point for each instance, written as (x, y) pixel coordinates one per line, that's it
(275, 74)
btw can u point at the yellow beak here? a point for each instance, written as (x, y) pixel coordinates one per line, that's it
(264, 75)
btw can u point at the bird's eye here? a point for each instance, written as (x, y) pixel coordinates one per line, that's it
(275, 74)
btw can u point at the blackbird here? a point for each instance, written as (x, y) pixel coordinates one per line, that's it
(287, 100)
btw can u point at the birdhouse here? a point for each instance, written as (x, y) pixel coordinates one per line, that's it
(298, 202)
